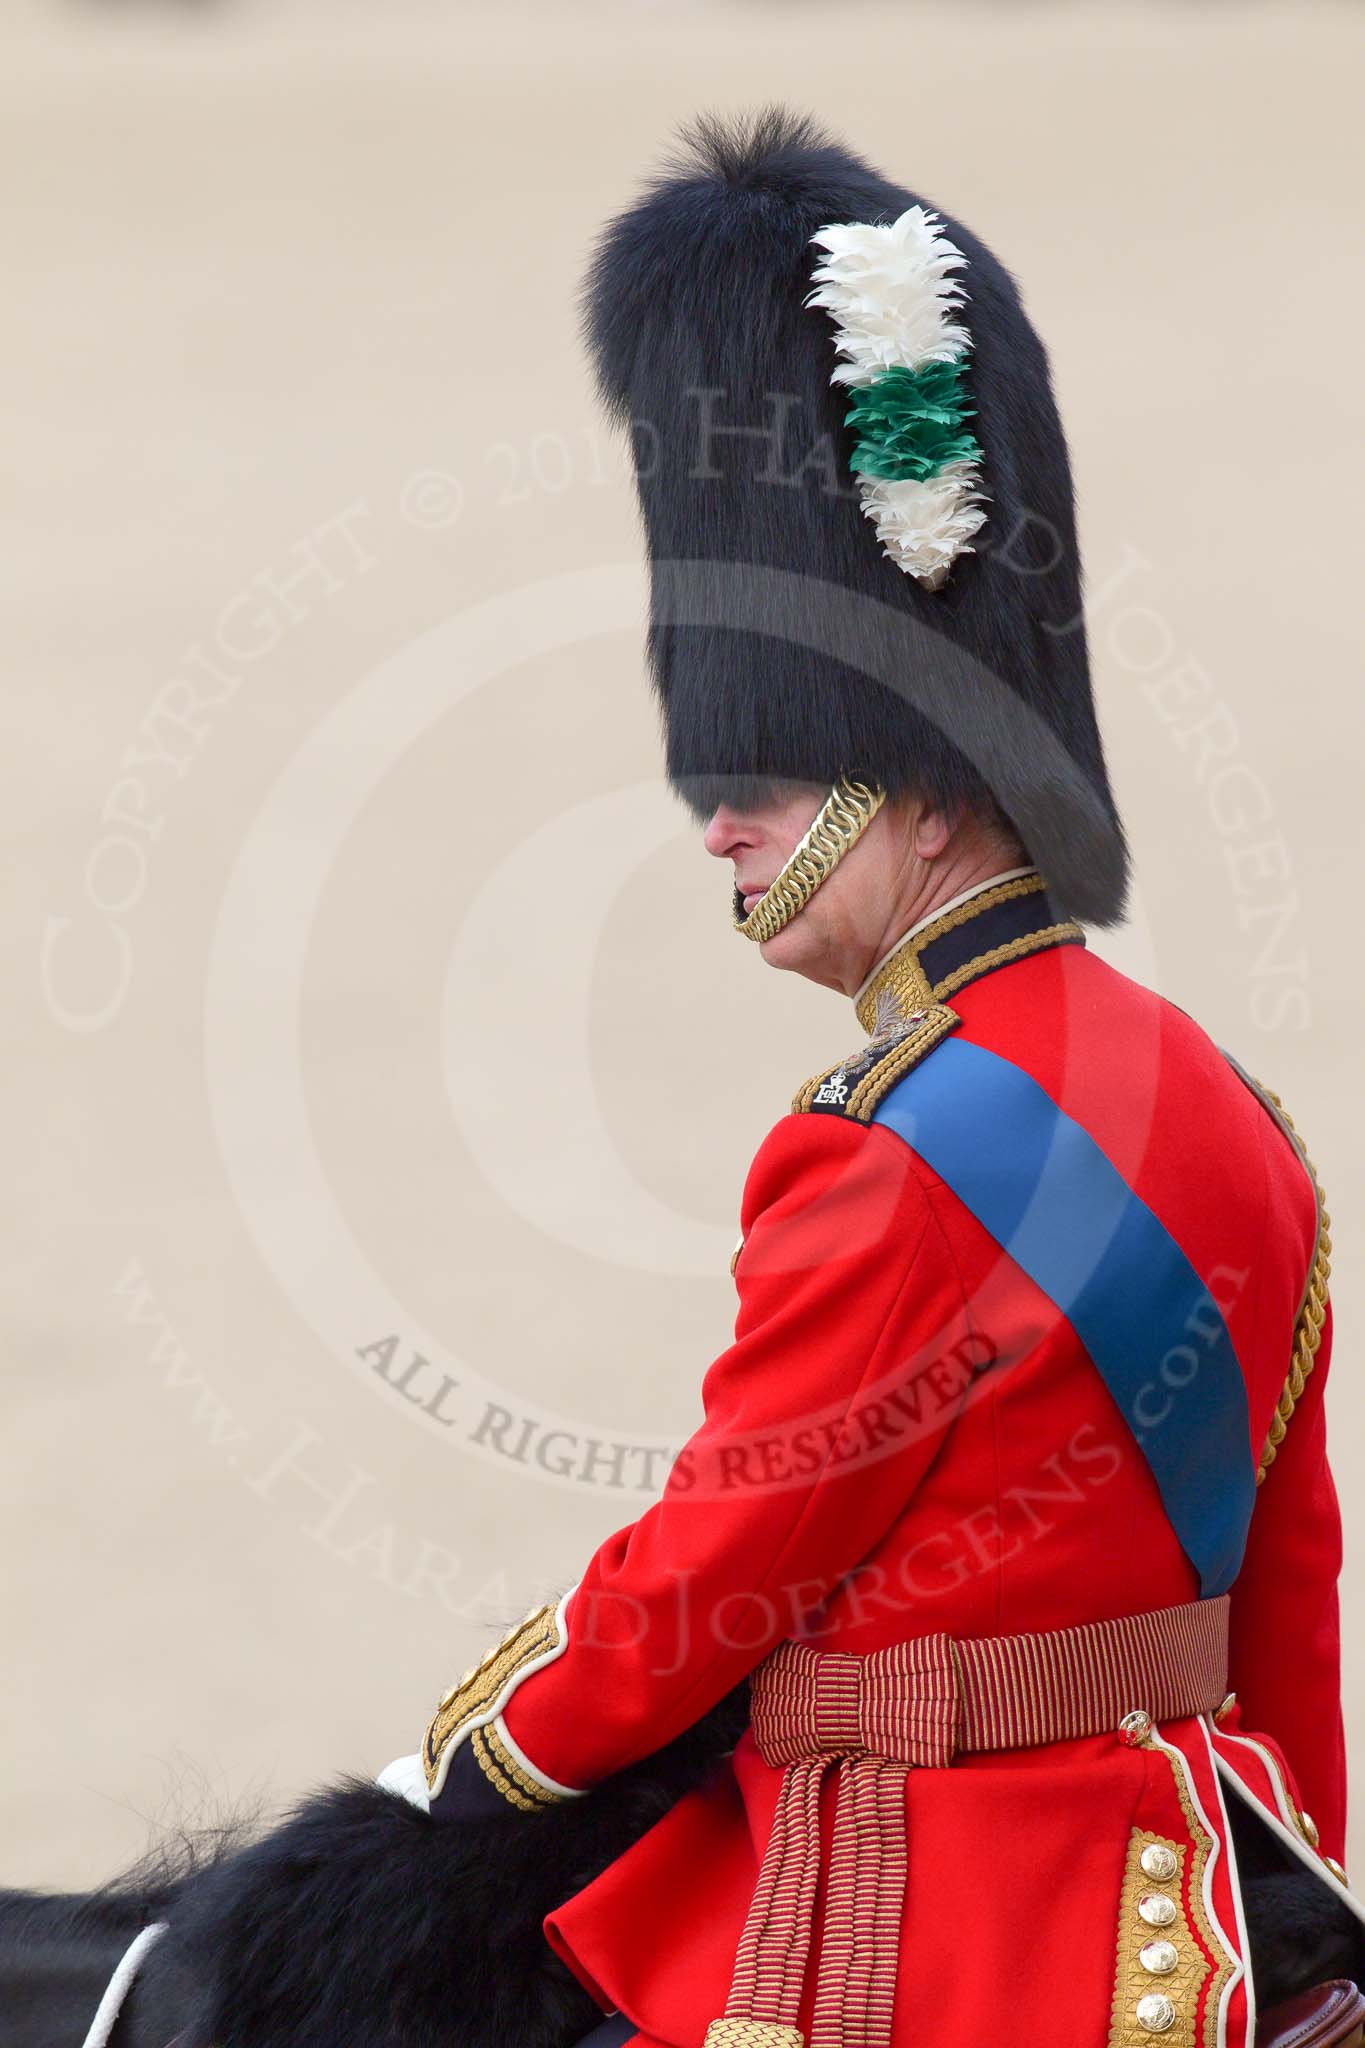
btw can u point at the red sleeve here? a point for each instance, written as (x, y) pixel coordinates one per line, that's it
(846, 1287)
(1285, 1664)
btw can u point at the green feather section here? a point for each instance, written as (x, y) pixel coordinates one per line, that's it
(908, 424)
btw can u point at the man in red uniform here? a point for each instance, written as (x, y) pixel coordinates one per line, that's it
(1011, 1501)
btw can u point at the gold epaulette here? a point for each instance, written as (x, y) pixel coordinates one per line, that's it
(853, 1087)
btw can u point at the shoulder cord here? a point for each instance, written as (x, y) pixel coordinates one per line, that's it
(1312, 1308)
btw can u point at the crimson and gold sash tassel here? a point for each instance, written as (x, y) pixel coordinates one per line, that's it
(770, 1965)
(856, 1989)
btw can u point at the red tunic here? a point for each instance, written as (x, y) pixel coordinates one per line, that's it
(907, 1436)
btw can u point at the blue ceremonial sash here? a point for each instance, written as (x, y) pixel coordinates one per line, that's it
(1046, 1193)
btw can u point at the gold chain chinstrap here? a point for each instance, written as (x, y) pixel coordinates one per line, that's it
(842, 819)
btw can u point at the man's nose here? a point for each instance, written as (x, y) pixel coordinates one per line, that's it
(724, 833)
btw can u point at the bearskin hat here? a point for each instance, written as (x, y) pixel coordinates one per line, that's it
(909, 617)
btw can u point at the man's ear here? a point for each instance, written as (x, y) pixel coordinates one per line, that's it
(933, 827)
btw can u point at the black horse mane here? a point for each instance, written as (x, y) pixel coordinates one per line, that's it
(352, 1923)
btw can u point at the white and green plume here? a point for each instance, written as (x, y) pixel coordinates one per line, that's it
(895, 304)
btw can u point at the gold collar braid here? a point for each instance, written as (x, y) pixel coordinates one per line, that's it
(840, 822)
(902, 985)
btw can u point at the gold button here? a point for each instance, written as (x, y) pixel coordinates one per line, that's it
(1155, 2013)
(1338, 1873)
(1156, 1909)
(1159, 1862)
(1225, 1707)
(1309, 1828)
(1134, 1728)
(1158, 1958)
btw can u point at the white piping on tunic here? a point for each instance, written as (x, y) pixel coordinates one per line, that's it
(1287, 1834)
(519, 1755)
(1239, 1913)
(1180, 1762)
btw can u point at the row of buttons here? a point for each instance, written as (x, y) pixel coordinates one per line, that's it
(1155, 2011)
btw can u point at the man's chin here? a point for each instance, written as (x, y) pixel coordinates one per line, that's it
(807, 949)
(794, 951)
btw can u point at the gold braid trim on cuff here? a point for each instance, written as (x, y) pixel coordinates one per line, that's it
(840, 822)
(468, 1702)
(1312, 1310)
(506, 1775)
(502, 1785)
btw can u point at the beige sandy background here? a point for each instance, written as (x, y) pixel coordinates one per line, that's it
(363, 983)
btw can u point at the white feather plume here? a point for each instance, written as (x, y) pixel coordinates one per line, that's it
(924, 527)
(891, 295)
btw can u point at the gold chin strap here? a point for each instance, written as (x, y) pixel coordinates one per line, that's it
(840, 822)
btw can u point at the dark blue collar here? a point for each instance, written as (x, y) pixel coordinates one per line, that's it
(1001, 924)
